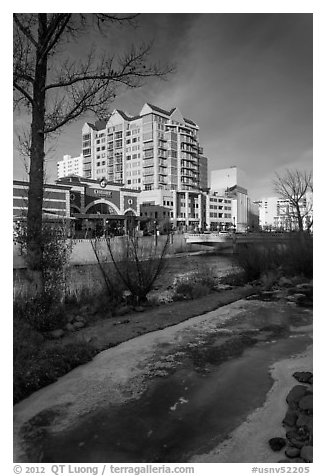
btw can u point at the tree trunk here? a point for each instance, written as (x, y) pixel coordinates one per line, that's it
(36, 173)
(299, 217)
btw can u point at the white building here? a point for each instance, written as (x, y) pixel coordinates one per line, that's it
(156, 149)
(230, 183)
(278, 214)
(223, 179)
(70, 166)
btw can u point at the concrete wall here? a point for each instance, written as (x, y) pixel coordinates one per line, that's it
(82, 251)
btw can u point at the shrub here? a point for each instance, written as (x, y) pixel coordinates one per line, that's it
(38, 363)
(294, 257)
(298, 257)
(197, 284)
(254, 260)
(137, 267)
(42, 312)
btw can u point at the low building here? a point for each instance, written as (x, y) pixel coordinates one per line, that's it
(56, 201)
(92, 207)
(154, 218)
(100, 207)
(219, 212)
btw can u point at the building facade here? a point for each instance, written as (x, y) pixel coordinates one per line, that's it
(156, 149)
(92, 208)
(278, 214)
(56, 200)
(70, 166)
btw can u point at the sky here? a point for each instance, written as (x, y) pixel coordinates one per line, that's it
(245, 79)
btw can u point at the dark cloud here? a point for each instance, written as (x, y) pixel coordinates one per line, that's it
(246, 79)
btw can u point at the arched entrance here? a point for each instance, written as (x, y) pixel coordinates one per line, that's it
(104, 219)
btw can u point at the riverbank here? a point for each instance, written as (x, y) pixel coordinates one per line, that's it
(147, 398)
(249, 442)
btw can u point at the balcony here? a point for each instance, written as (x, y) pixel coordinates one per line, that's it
(148, 154)
(148, 163)
(149, 179)
(187, 148)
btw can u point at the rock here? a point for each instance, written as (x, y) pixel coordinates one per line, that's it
(70, 327)
(290, 418)
(305, 421)
(84, 309)
(307, 453)
(79, 324)
(306, 403)
(295, 394)
(70, 317)
(292, 452)
(304, 287)
(56, 334)
(139, 309)
(300, 434)
(299, 297)
(277, 443)
(122, 310)
(303, 377)
(79, 319)
(297, 443)
(292, 299)
(248, 298)
(283, 281)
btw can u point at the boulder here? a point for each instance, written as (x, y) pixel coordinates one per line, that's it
(84, 309)
(292, 452)
(306, 403)
(295, 395)
(139, 309)
(79, 319)
(297, 443)
(277, 443)
(307, 454)
(299, 434)
(290, 418)
(56, 334)
(122, 310)
(305, 421)
(303, 287)
(70, 327)
(283, 281)
(303, 377)
(79, 324)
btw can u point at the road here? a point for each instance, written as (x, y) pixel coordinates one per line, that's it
(174, 395)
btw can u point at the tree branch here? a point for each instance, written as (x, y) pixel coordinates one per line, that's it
(25, 93)
(25, 30)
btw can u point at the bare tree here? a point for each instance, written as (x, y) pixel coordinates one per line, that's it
(55, 88)
(293, 187)
(137, 265)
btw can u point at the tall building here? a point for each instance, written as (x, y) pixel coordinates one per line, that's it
(156, 149)
(70, 166)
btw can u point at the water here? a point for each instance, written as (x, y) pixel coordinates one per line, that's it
(186, 413)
